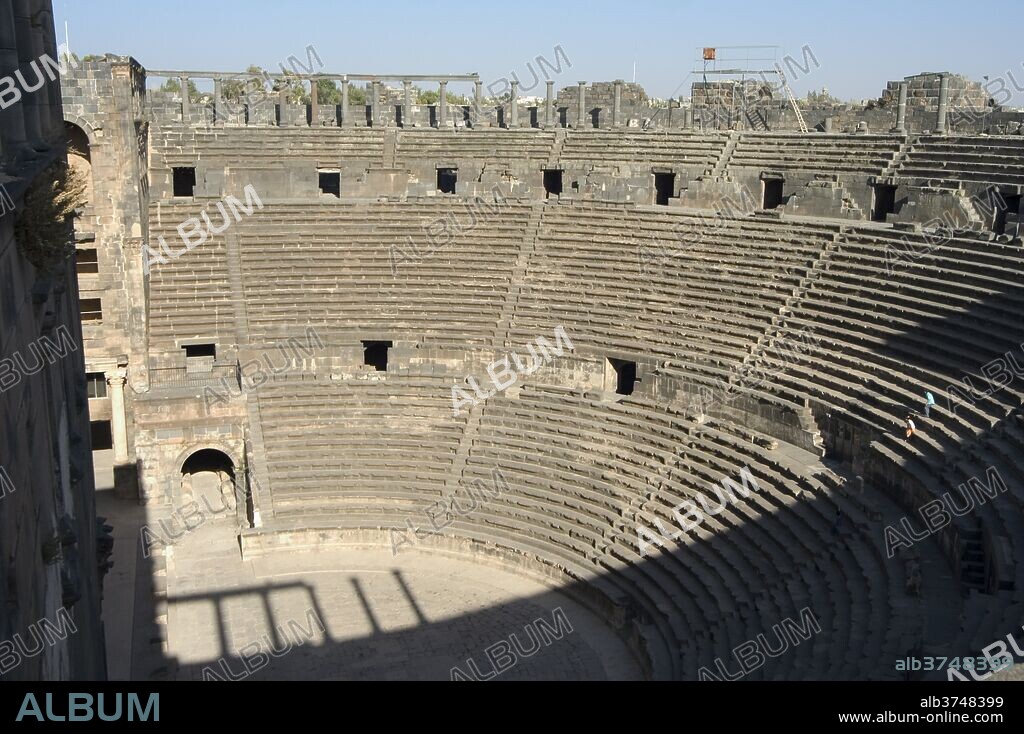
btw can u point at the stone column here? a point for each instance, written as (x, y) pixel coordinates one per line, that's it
(478, 104)
(581, 104)
(118, 427)
(442, 104)
(12, 119)
(282, 101)
(314, 104)
(828, 124)
(346, 120)
(186, 103)
(549, 106)
(407, 104)
(688, 118)
(617, 106)
(901, 109)
(219, 113)
(940, 122)
(513, 106)
(375, 104)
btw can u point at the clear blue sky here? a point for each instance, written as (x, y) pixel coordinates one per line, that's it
(859, 45)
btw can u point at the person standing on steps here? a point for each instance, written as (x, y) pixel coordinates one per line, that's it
(910, 427)
(929, 403)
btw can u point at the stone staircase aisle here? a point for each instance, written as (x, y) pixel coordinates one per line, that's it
(897, 160)
(726, 156)
(234, 264)
(517, 283)
(555, 156)
(777, 328)
(390, 148)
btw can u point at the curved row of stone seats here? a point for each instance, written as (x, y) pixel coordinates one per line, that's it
(490, 146)
(1001, 450)
(818, 153)
(436, 272)
(949, 160)
(630, 281)
(357, 446)
(707, 380)
(880, 347)
(581, 474)
(249, 146)
(639, 147)
(953, 295)
(867, 366)
(189, 294)
(1004, 447)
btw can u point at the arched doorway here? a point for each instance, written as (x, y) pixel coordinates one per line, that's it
(208, 479)
(79, 154)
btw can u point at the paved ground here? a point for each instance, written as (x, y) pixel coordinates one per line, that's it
(415, 616)
(119, 586)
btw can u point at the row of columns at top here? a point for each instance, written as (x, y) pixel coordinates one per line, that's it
(23, 42)
(442, 102)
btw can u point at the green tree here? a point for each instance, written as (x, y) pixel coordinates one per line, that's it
(173, 86)
(327, 92)
(237, 90)
(356, 96)
(431, 96)
(295, 90)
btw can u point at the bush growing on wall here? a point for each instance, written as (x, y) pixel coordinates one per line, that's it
(44, 226)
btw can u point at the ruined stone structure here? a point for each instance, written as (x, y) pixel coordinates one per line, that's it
(53, 548)
(923, 90)
(292, 292)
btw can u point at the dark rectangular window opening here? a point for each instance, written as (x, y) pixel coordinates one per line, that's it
(664, 187)
(625, 375)
(194, 351)
(92, 309)
(446, 180)
(375, 354)
(86, 261)
(773, 192)
(1007, 216)
(552, 182)
(101, 436)
(184, 181)
(330, 183)
(96, 385)
(885, 202)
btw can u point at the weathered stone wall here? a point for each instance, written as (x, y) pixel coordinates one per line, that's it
(733, 93)
(175, 423)
(103, 103)
(52, 552)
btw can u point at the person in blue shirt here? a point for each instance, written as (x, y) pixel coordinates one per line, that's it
(929, 402)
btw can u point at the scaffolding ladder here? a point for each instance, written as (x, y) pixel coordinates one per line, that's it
(792, 100)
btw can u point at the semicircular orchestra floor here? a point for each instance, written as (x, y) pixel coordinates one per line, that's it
(368, 614)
